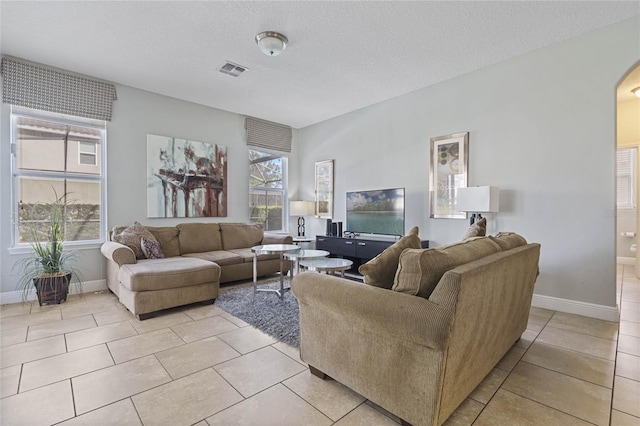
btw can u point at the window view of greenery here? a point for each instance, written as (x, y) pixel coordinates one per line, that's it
(267, 189)
(51, 162)
(81, 219)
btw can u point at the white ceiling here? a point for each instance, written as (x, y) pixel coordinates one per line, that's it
(342, 56)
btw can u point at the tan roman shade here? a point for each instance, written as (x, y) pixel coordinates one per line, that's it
(265, 134)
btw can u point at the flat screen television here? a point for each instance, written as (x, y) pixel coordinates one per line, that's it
(376, 212)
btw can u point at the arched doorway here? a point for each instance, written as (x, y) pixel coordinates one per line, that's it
(628, 159)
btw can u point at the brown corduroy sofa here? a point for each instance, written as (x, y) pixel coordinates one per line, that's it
(420, 357)
(197, 258)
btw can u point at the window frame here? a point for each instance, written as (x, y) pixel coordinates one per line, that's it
(93, 154)
(16, 173)
(271, 155)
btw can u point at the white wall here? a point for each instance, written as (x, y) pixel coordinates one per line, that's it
(542, 128)
(136, 113)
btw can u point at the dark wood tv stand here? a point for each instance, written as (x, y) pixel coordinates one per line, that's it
(357, 249)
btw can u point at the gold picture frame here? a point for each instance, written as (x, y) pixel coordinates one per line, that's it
(324, 189)
(449, 163)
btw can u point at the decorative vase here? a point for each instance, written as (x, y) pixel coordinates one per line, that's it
(52, 289)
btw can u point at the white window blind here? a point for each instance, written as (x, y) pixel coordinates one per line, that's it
(626, 177)
(265, 134)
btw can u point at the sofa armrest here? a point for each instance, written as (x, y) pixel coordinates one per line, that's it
(378, 310)
(273, 238)
(118, 253)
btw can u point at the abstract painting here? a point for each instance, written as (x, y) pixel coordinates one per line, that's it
(185, 178)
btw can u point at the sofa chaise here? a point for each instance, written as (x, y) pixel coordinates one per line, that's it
(154, 268)
(420, 346)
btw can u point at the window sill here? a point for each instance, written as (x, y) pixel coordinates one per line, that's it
(26, 249)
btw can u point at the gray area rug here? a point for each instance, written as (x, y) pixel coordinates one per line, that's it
(267, 312)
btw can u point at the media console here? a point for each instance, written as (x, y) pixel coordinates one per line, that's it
(358, 250)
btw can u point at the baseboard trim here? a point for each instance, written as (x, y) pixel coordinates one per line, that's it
(87, 287)
(626, 260)
(607, 313)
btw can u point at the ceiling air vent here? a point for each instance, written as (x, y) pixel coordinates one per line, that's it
(234, 70)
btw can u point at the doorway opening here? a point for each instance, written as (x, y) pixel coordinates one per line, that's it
(627, 160)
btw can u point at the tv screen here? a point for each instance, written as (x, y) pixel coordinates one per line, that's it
(376, 212)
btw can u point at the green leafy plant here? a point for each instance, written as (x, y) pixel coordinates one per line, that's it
(50, 267)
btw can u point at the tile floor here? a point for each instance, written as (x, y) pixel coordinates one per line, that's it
(88, 361)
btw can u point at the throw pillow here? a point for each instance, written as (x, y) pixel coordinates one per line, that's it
(151, 249)
(381, 270)
(131, 237)
(508, 240)
(419, 271)
(478, 229)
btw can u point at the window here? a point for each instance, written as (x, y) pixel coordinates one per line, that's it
(626, 169)
(54, 155)
(267, 189)
(88, 153)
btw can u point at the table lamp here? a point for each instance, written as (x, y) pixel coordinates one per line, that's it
(478, 199)
(300, 209)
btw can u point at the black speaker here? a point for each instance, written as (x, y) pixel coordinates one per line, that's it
(339, 233)
(334, 229)
(328, 227)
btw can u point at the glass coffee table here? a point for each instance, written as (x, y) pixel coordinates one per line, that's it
(328, 265)
(280, 249)
(297, 256)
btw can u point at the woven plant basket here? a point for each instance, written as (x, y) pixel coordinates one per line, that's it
(52, 289)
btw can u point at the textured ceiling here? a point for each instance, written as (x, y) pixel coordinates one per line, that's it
(342, 56)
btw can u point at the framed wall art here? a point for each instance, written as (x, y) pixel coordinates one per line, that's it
(185, 178)
(324, 189)
(449, 162)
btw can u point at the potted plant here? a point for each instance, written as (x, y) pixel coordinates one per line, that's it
(50, 268)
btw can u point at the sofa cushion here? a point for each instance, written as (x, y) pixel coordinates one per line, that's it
(170, 272)
(199, 237)
(167, 236)
(131, 237)
(381, 270)
(419, 271)
(478, 229)
(508, 240)
(241, 235)
(221, 257)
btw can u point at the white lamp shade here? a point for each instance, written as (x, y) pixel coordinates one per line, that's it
(478, 199)
(300, 208)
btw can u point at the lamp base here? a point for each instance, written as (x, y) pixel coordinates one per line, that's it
(474, 217)
(301, 226)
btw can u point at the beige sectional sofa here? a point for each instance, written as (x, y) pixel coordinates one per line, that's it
(195, 259)
(421, 345)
